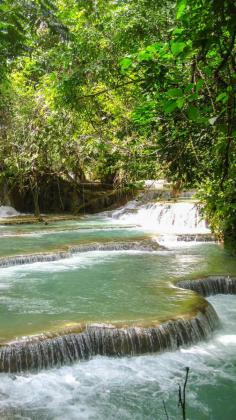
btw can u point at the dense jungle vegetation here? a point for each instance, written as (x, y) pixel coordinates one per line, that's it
(120, 91)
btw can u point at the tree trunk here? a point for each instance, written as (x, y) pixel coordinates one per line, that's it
(35, 193)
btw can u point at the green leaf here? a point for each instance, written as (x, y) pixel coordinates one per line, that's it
(177, 47)
(193, 96)
(174, 93)
(189, 88)
(199, 85)
(152, 48)
(193, 113)
(222, 97)
(169, 106)
(125, 64)
(181, 6)
(145, 55)
(180, 102)
(177, 31)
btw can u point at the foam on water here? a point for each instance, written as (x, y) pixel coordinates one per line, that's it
(73, 262)
(170, 218)
(133, 388)
(228, 339)
(8, 211)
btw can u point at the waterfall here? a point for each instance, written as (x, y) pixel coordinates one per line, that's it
(181, 219)
(8, 211)
(211, 285)
(41, 352)
(107, 340)
(137, 245)
(169, 218)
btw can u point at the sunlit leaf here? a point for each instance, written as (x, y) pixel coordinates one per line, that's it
(169, 106)
(177, 47)
(125, 64)
(180, 102)
(174, 93)
(181, 6)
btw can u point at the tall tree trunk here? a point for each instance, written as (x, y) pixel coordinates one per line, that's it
(36, 201)
(35, 194)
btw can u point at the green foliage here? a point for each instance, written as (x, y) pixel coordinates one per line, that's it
(190, 81)
(121, 91)
(181, 6)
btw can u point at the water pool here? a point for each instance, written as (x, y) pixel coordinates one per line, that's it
(133, 388)
(124, 288)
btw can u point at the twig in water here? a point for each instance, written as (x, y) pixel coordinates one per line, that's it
(182, 395)
(164, 405)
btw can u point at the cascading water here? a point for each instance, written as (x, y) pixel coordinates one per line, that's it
(107, 341)
(8, 211)
(167, 218)
(210, 286)
(46, 352)
(138, 245)
(194, 319)
(133, 388)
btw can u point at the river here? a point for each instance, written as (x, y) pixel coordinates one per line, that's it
(127, 288)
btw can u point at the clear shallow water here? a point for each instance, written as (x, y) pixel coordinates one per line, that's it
(119, 287)
(133, 388)
(91, 287)
(114, 286)
(18, 241)
(85, 222)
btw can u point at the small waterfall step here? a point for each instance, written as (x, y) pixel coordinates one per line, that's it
(8, 211)
(44, 352)
(146, 245)
(211, 285)
(173, 218)
(108, 341)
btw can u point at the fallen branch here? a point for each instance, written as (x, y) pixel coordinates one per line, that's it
(182, 395)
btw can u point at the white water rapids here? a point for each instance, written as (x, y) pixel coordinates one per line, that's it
(8, 211)
(164, 218)
(133, 388)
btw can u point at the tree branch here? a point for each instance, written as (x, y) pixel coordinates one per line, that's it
(101, 92)
(182, 395)
(226, 55)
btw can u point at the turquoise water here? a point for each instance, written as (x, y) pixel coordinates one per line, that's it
(16, 241)
(120, 287)
(133, 388)
(92, 287)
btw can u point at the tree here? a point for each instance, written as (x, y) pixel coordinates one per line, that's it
(121, 91)
(188, 103)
